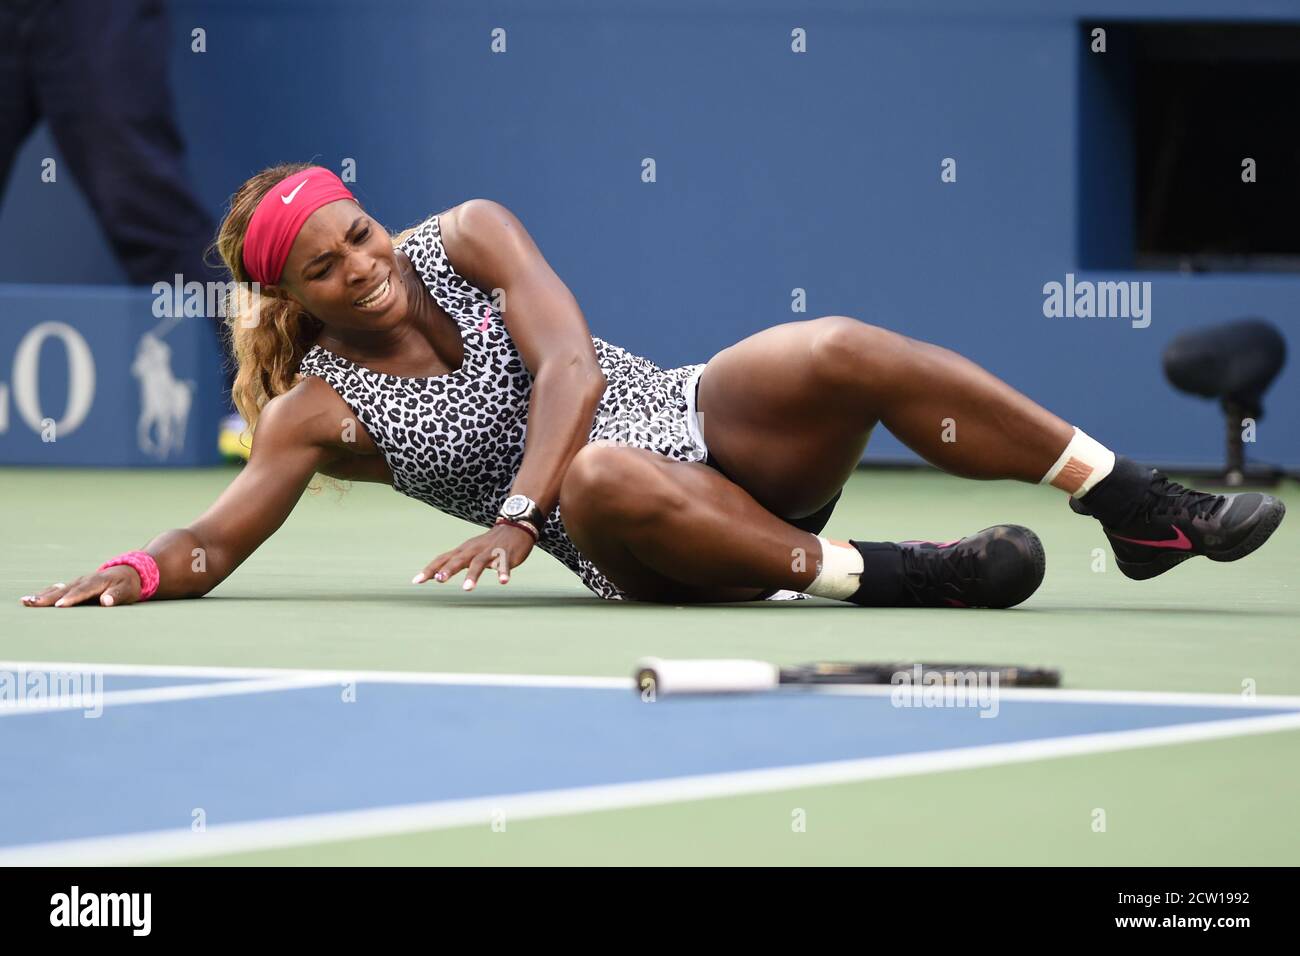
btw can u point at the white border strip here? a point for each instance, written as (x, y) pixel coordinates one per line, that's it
(1048, 694)
(164, 845)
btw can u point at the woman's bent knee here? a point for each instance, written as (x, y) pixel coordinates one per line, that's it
(846, 351)
(616, 483)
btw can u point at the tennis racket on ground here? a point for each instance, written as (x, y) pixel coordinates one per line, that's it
(657, 676)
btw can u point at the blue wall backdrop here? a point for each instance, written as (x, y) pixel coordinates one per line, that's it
(776, 171)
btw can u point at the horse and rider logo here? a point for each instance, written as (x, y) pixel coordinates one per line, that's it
(164, 399)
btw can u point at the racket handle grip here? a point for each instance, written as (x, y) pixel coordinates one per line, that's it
(705, 676)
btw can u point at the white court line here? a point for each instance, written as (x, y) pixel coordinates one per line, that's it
(163, 845)
(1082, 696)
(328, 676)
(1061, 694)
(156, 695)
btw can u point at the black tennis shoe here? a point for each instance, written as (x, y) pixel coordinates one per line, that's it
(1171, 524)
(998, 567)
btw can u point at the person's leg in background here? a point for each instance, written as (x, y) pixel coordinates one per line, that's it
(101, 80)
(18, 112)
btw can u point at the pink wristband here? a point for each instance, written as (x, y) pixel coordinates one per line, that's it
(144, 565)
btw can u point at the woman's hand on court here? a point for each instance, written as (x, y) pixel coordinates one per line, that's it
(109, 588)
(502, 548)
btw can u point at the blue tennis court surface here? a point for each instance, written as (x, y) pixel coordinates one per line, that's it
(334, 748)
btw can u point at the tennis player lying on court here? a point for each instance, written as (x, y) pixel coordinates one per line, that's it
(417, 361)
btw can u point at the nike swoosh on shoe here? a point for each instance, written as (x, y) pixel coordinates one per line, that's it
(1179, 543)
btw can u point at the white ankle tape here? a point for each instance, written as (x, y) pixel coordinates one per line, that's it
(838, 573)
(1084, 462)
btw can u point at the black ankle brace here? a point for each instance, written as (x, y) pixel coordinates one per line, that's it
(882, 574)
(1115, 499)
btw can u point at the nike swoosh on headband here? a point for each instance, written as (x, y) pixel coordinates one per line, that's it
(289, 198)
(1181, 542)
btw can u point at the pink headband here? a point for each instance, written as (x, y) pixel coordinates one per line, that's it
(280, 215)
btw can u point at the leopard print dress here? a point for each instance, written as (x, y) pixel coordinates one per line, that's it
(456, 441)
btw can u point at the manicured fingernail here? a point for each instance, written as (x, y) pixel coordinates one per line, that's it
(504, 579)
(59, 603)
(419, 578)
(467, 586)
(28, 597)
(440, 576)
(106, 600)
(60, 585)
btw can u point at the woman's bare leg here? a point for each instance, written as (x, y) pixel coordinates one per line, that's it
(787, 412)
(678, 532)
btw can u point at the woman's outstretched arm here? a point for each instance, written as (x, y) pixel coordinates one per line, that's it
(298, 435)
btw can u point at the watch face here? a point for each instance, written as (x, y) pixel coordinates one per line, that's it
(515, 506)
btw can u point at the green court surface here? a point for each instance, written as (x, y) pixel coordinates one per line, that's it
(331, 591)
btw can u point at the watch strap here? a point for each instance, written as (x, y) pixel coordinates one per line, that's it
(520, 523)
